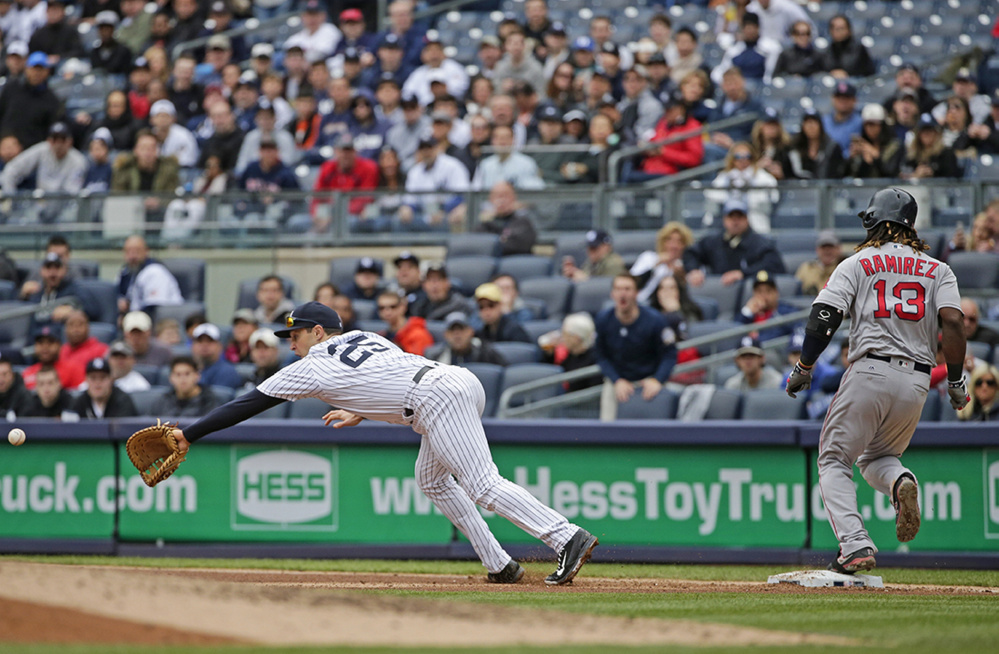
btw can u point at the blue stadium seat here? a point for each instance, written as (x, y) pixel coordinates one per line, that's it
(705, 328)
(491, 378)
(105, 295)
(524, 266)
(728, 296)
(975, 270)
(151, 373)
(469, 271)
(772, 404)
(661, 407)
(105, 332)
(591, 295)
(144, 400)
(8, 290)
(190, 275)
(536, 328)
(436, 329)
(724, 405)
(556, 292)
(570, 245)
(520, 373)
(224, 393)
(517, 352)
(473, 243)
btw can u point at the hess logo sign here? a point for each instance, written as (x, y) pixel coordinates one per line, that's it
(275, 489)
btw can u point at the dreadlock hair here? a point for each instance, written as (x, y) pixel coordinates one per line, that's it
(892, 232)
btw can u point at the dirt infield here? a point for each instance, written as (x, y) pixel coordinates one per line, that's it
(98, 604)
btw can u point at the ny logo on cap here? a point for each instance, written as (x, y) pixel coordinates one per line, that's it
(289, 321)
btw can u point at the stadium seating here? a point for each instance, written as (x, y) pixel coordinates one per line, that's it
(190, 275)
(662, 407)
(247, 298)
(342, 270)
(105, 297)
(516, 352)
(491, 378)
(473, 244)
(521, 373)
(724, 405)
(524, 266)
(469, 271)
(772, 404)
(8, 290)
(591, 295)
(555, 292)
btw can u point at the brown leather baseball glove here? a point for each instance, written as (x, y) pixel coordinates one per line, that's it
(154, 452)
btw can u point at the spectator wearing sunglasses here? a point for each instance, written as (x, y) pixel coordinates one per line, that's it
(983, 406)
(409, 333)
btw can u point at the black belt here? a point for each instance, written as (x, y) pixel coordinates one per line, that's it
(920, 367)
(407, 412)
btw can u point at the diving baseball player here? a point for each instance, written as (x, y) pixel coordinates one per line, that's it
(897, 298)
(369, 377)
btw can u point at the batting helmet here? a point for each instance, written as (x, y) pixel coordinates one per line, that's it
(890, 204)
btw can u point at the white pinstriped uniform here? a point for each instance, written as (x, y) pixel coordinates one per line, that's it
(370, 376)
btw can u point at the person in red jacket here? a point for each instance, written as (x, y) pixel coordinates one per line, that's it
(673, 157)
(46, 354)
(80, 347)
(348, 172)
(411, 333)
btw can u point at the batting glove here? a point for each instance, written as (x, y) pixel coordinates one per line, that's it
(800, 379)
(958, 392)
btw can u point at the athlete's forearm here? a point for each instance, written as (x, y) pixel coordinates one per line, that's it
(822, 324)
(953, 342)
(231, 413)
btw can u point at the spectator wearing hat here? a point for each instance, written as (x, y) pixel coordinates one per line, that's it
(109, 54)
(121, 360)
(927, 156)
(635, 347)
(735, 252)
(657, 76)
(273, 304)
(266, 128)
(407, 277)
(15, 55)
(266, 176)
(813, 154)
(46, 355)
(189, 395)
(219, 22)
(367, 282)
(462, 346)
(401, 25)
(965, 86)
(98, 177)
(57, 38)
(640, 109)
(404, 137)
(753, 54)
(845, 56)
(800, 58)
(408, 332)
(189, 20)
(671, 158)
(57, 244)
(175, 140)
(436, 65)
(55, 164)
(904, 115)
(58, 295)
(28, 107)
(355, 35)
(875, 153)
(909, 78)
(137, 330)
(601, 259)
(550, 132)
(764, 304)
(102, 399)
(439, 299)
(506, 165)
(50, 399)
(206, 349)
(601, 31)
(433, 171)
(510, 219)
(265, 354)
(487, 56)
(494, 324)
(262, 61)
(79, 347)
(244, 323)
(735, 101)
(518, 64)
(844, 122)
(814, 274)
(319, 38)
(346, 172)
(754, 373)
(367, 129)
(390, 63)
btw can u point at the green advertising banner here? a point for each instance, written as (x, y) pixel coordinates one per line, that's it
(58, 490)
(958, 496)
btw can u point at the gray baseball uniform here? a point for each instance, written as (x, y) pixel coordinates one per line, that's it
(369, 376)
(893, 295)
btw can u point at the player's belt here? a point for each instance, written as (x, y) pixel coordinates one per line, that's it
(416, 380)
(919, 367)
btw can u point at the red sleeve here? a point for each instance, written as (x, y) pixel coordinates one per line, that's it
(326, 171)
(366, 176)
(938, 374)
(688, 152)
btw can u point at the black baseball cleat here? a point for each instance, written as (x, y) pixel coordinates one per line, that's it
(511, 574)
(906, 501)
(862, 559)
(572, 557)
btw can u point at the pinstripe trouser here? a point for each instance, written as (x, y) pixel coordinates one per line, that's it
(447, 406)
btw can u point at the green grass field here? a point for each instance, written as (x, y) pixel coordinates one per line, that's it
(882, 622)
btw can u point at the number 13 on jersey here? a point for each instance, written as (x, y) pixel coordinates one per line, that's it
(908, 300)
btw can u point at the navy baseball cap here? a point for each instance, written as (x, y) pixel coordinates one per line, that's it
(307, 316)
(98, 365)
(735, 205)
(596, 237)
(551, 113)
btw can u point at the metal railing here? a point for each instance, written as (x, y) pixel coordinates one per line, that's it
(504, 409)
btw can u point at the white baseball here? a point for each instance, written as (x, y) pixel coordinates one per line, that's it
(16, 436)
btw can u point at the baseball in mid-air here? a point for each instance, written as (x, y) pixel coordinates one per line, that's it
(16, 436)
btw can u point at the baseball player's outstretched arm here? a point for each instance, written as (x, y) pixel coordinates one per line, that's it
(954, 344)
(231, 413)
(822, 324)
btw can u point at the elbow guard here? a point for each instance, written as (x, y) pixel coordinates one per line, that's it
(823, 322)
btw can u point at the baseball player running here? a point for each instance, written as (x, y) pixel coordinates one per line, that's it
(895, 295)
(368, 376)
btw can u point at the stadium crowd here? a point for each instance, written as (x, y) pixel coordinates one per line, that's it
(395, 110)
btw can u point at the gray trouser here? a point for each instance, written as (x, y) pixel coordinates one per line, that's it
(870, 423)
